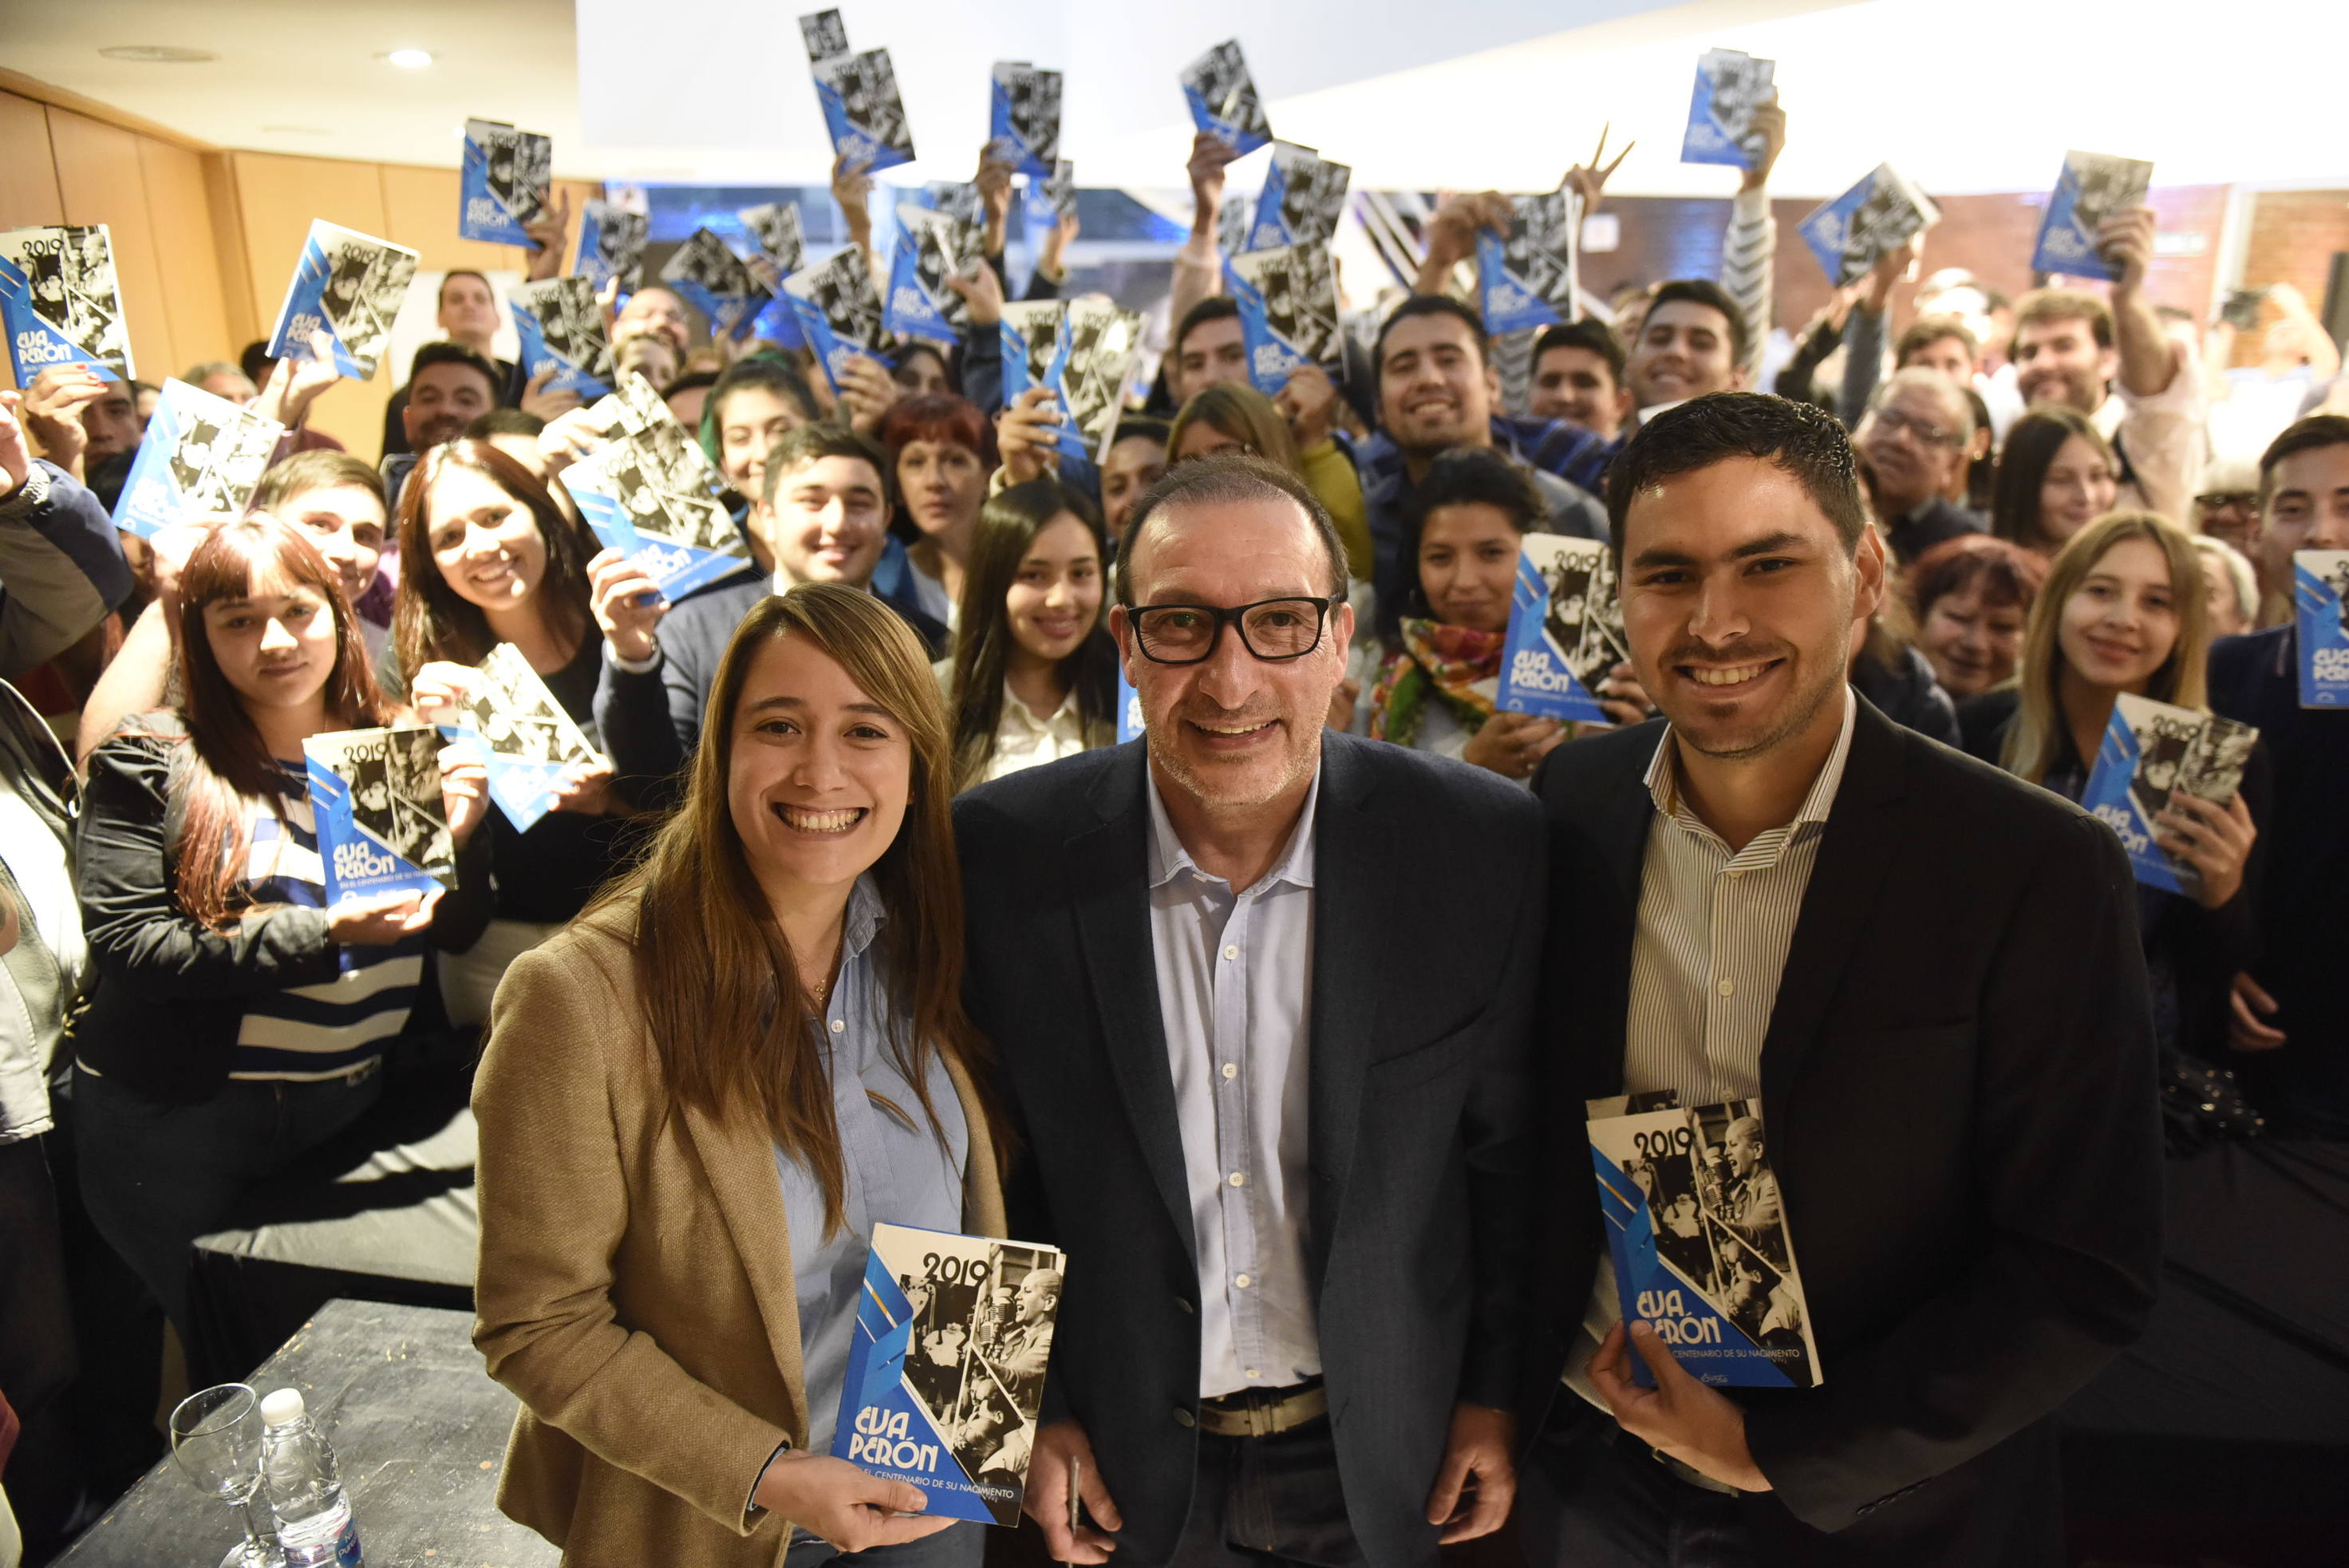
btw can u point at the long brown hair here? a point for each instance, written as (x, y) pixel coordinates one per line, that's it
(226, 761)
(2033, 741)
(432, 619)
(1237, 410)
(2023, 460)
(736, 1031)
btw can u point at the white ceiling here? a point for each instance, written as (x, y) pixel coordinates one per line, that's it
(1461, 92)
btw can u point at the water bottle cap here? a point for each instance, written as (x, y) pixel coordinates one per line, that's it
(282, 1408)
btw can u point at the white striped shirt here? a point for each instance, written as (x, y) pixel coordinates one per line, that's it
(1749, 253)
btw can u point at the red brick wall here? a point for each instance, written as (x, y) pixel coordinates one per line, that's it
(2295, 235)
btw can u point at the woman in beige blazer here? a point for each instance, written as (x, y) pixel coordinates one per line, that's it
(697, 1101)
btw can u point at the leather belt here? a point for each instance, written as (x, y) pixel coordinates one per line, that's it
(1262, 1413)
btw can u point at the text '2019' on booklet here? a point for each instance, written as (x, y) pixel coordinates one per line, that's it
(199, 462)
(349, 286)
(945, 1371)
(382, 825)
(2320, 596)
(525, 738)
(60, 304)
(2150, 752)
(1566, 629)
(1696, 1230)
(505, 182)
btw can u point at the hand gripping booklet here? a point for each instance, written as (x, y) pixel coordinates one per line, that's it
(946, 1370)
(2150, 752)
(1526, 281)
(612, 246)
(525, 739)
(1698, 1236)
(350, 287)
(1024, 118)
(1304, 196)
(1566, 629)
(838, 311)
(1288, 299)
(1082, 349)
(863, 111)
(921, 303)
(60, 304)
(561, 325)
(713, 278)
(503, 183)
(1858, 229)
(1223, 98)
(201, 459)
(2091, 188)
(2320, 594)
(651, 494)
(1730, 87)
(382, 826)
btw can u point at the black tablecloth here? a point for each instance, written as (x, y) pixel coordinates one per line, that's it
(384, 1213)
(418, 1429)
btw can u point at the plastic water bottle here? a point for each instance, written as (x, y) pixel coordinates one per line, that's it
(314, 1516)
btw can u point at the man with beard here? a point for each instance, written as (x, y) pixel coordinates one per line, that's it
(1279, 1124)
(1730, 920)
(1917, 436)
(1578, 377)
(448, 387)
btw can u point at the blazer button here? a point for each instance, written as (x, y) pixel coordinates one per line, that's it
(1183, 1417)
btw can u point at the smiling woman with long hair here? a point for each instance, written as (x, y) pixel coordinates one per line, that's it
(697, 1100)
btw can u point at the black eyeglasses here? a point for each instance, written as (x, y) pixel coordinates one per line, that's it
(1273, 630)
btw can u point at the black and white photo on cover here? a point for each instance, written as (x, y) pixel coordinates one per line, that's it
(394, 776)
(1039, 324)
(867, 85)
(1035, 98)
(661, 477)
(2212, 768)
(516, 715)
(70, 275)
(843, 291)
(364, 284)
(2107, 185)
(1539, 250)
(936, 257)
(705, 259)
(1300, 297)
(218, 461)
(619, 242)
(1884, 219)
(1584, 618)
(1740, 84)
(775, 228)
(518, 169)
(824, 34)
(1101, 341)
(2163, 740)
(1312, 193)
(571, 320)
(1220, 76)
(1061, 190)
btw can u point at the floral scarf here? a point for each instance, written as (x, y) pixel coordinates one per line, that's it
(1458, 667)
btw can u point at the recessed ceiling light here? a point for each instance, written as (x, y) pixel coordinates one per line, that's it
(408, 59)
(159, 54)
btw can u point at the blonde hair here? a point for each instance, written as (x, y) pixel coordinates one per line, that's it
(2225, 560)
(2033, 741)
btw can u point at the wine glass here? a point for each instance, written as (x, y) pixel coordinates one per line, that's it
(216, 1441)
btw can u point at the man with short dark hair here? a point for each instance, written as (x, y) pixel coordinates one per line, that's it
(1280, 1123)
(822, 517)
(1694, 338)
(448, 387)
(1578, 377)
(1917, 436)
(468, 316)
(1205, 349)
(1733, 903)
(1438, 390)
(2287, 1017)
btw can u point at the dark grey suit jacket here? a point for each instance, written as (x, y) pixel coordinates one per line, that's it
(1428, 892)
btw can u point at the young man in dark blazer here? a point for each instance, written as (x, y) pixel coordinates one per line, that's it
(1262, 994)
(1927, 972)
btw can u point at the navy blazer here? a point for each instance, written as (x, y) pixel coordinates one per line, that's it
(1428, 892)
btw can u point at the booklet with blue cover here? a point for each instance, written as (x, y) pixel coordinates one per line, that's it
(612, 246)
(2091, 188)
(946, 1367)
(2153, 750)
(1729, 85)
(1035, 343)
(349, 286)
(1304, 196)
(1526, 280)
(651, 494)
(1697, 1240)
(862, 109)
(1024, 118)
(776, 228)
(1288, 299)
(2320, 594)
(1223, 98)
(382, 825)
(1082, 349)
(1566, 629)
(838, 309)
(561, 325)
(1129, 708)
(200, 460)
(1851, 233)
(714, 281)
(60, 302)
(920, 303)
(525, 739)
(504, 183)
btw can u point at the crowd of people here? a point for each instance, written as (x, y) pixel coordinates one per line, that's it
(1278, 1020)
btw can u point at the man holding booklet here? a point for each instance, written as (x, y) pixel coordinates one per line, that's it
(1954, 1146)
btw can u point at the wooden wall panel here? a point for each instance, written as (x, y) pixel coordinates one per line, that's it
(29, 171)
(188, 258)
(420, 208)
(98, 175)
(277, 197)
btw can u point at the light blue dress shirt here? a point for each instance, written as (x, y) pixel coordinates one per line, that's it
(897, 1171)
(1235, 992)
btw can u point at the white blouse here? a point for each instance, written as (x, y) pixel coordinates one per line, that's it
(1023, 740)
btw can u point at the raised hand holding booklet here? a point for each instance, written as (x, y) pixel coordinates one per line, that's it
(1288, 299)
(1082, 350)
(199, 460)
(348, 285)
(2091, 188)
(946, 1378)
(651, 494)
(525, 738)
(1566, 629)
(1697, 1233)
(1527, 279)
(838, 310)
(60, 304)
(561, 325)
(1304, 196)
(2151, 750)
(863, 111)
(2320, 596)
(713, 278)
(612, 246)
(775, 225)
(921, 302)
(1858, 229)
(1223, 98)
(503, 183)
(1024, 118)
(1729, 85)
(382, 825)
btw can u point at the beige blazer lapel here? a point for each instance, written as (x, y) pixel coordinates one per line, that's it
(738, 1159)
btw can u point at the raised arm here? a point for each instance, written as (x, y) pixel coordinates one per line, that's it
(1749, 250)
